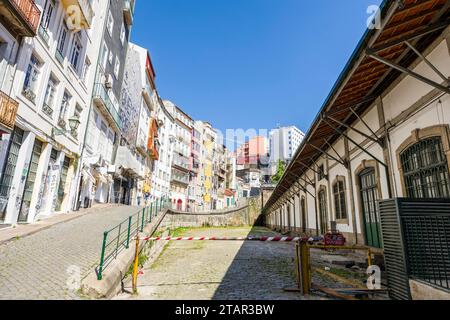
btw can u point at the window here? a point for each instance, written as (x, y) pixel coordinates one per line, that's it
(425, 170)
(31, 78)
(63, 110)
(111, 57)
(321, 172)
(339, 199)
(110, 24)
(49, 99)
(117, 68)
(47, 17)
(76, 52)
(122, 34)
(62, 39)
(323, 211)
(104, 55)
(86, 68)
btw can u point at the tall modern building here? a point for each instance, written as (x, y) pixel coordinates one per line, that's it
(284, 142)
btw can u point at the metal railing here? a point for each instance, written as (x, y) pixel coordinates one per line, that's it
(8, 110)
(101, 93)
(117, 239)
(29, 11)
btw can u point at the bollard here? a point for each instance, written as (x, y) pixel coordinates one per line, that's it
(305, 272)
(135, 266)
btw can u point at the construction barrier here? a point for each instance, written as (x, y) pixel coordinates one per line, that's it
(262, 239)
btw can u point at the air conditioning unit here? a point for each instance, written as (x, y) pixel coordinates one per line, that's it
(108, 81)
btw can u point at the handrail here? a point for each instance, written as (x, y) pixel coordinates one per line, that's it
(117, 239)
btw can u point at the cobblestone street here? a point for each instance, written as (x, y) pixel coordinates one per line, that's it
(220, 270)
(36, 266)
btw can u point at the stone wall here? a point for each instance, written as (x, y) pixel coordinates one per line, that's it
(245, 215)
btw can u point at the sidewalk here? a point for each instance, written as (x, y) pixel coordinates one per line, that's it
(22, 230)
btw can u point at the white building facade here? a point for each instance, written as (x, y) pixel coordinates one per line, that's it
(50, 77)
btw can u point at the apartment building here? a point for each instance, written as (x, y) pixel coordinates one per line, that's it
(182, 156)
(46, 76)
(195, 191)
(283, 143)
(103, 178)
(208, 153)
(162, 169)
(139, 145)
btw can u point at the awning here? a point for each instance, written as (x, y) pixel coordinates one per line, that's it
(408, 27)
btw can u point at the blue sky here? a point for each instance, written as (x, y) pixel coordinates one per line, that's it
(249, 63)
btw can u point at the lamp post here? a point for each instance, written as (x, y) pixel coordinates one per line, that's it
(74, 123)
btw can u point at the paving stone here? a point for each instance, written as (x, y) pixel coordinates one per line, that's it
(35, 267)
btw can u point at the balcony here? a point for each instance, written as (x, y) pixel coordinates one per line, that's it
(180, 177)
(128, 162)
(141, 145)
(82, 6)
(180, 162)
(21, 17)
(128, 11)
(106, 106)
(8, 111)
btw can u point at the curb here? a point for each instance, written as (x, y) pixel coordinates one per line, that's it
(45, 227)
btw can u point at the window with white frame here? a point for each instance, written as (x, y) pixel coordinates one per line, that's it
(32, 78)
(86, 69)
(110, 23)
(64, 108)
(49, 8)
(62, 38)
(104, 55)
(117, 68)
(111, 57)
(76, 52)
(122, 34)
(49, 98)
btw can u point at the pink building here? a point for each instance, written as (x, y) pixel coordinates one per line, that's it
(252, 151)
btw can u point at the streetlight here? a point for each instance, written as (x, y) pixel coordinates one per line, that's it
(74, 123)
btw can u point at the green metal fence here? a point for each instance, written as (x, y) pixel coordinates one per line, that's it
(118, 238)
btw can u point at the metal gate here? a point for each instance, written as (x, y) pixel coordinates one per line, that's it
(416, 235)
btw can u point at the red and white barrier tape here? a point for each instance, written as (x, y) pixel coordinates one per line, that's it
(264, 239)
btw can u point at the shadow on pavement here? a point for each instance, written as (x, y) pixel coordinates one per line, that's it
(260, 271)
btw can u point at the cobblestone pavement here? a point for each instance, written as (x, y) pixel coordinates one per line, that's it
(220, 270)
(36, 267)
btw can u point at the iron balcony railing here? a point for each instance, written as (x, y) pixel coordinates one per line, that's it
(117, 239)
(29, 12)
(8, 110)
(101, 94)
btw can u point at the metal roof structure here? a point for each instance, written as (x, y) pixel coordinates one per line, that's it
(407, 28)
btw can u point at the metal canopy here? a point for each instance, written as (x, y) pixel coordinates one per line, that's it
(408, 28)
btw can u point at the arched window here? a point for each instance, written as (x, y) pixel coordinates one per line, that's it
(340, 204)
(425, 169)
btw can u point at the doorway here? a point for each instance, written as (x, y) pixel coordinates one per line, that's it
(323, 211)
(369, 205)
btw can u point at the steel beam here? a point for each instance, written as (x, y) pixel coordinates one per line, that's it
(327, 154)
(376, 140)
(430, 29)
(413, 74)
(424, 59)
(355, 143)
